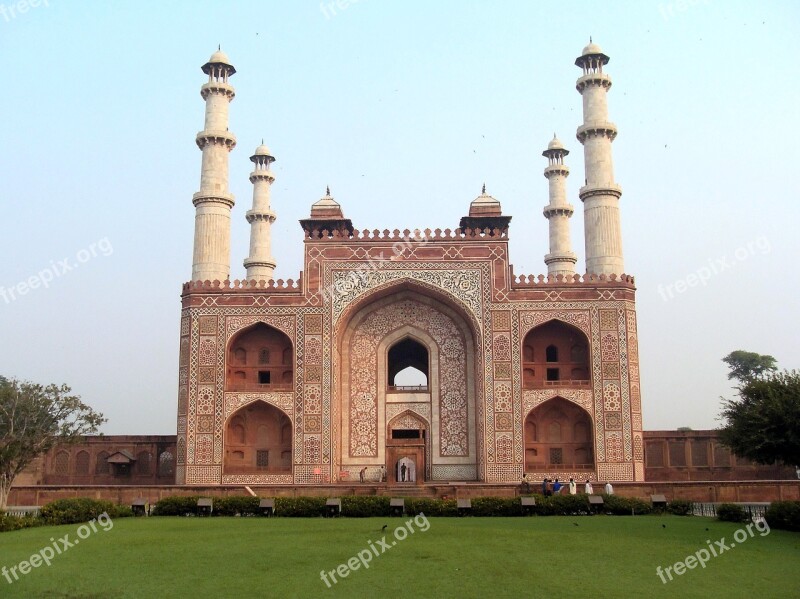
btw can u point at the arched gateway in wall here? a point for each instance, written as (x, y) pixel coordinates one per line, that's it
(385, 334)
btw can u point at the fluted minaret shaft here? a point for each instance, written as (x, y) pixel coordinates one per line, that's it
(213, 203)
(600, 194)
(561, 259)
(260, 264)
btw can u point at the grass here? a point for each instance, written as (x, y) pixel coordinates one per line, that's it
(455, 557)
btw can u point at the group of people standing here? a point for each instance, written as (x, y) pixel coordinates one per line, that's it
(554, 487)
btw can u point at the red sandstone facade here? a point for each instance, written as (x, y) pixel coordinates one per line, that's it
(292, 383)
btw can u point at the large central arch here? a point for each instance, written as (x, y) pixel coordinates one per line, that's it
(365, 403)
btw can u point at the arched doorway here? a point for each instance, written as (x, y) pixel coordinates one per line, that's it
(558, 436)
(555, 354)
(258, 440)
(259, 358)
(406, 448)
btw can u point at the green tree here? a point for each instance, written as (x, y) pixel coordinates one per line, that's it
(746, 365)
(34, 418)
(763, 424)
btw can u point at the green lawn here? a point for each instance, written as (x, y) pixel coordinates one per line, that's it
(603, 556)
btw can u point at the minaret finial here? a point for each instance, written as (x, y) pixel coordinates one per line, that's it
(262, 141)
(590, 39)
(483, 190)
(219, 47)
(328, 191)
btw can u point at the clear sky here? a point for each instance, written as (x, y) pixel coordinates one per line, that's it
(404, 109)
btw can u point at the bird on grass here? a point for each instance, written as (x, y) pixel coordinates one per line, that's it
(576, 524)
(663, 526)
(384, 527)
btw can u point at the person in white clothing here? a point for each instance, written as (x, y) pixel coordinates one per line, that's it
(609, 488)
(587, 488)
(573, 488)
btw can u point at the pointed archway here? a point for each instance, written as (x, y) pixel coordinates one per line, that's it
(259, 358)
(555, 354)
(258, 440)
(558, 436)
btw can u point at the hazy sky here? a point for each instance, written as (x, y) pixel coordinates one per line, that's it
(404, 109)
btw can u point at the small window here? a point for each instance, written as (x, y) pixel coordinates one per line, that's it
(263, 356)
(166, 464)
(62, 463)
(556, 455)
(552, 374)
(263, 377)
(551, 353)
(262, 459)
(402, 433)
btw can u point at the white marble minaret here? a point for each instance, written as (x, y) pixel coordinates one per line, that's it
(212, 225)
(561, 259)
(600, 194)
(260, 263)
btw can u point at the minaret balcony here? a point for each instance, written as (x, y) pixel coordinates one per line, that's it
(205, 138)
(218, 197)
(589, 191)
(558, 210)
(597, 129)
(265, 215)
(598, 79)
(217, 87)
(264, 175)
(556, 169)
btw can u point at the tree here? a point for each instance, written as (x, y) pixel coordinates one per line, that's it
(33, 419)
(746, 365)
(763, 424)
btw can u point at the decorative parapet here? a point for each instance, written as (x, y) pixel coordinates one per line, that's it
(416, 235)
(534, 281)
(244, 285)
